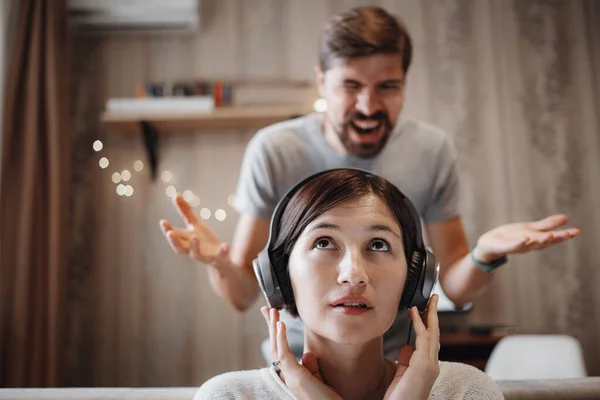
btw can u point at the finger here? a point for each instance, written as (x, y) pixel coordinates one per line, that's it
(224, 250)
(433, 327)
(165, 226)
(556, 240)
(549, 223)
(291, 370)
(266, 313)
(177, 243)
(567, 233)
(422, 336)
(194, 251)
(556, 237)
(404, 357)
(284, 354)
(310, 362)
(264, 310)
(573, 232)
(546, 238)
(418, 324)
(431, 312)
(273, 318)
(537, 241)
(185, 210)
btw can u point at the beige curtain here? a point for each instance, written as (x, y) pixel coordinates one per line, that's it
(516, 83)
(35, 199)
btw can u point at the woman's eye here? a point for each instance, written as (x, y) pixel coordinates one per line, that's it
(380, 245)
(323, 243)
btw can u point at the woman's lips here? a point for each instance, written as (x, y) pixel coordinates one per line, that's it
(350, 310)
(352, 305)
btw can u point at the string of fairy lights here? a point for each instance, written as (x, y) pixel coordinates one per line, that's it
(123, 187)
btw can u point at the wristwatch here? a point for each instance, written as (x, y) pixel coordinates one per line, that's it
(488, 267)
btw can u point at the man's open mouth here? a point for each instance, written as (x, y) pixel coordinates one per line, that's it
(366, 127)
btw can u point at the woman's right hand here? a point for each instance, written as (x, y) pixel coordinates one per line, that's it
(196, 240)
(303, 379)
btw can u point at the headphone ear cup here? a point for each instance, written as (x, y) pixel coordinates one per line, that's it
(412, 279)
(267, 281)
(282, 275)
(287, 293)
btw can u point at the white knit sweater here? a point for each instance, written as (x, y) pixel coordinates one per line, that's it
(456, 381)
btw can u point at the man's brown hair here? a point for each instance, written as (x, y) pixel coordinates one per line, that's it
(363, 31)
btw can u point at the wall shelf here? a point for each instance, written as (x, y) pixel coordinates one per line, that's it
(218, 119)
(151, 125)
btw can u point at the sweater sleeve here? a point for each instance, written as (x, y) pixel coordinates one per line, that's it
(244, 385)
(218, 388)
(463, 382)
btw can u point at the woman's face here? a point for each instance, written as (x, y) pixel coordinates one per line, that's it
(348, 270)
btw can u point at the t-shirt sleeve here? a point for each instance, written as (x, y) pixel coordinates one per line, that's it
(255, 194)
(444, 194)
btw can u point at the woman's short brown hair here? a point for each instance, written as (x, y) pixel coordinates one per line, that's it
(361, 32)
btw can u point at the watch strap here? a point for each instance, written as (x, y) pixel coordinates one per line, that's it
(488, 267)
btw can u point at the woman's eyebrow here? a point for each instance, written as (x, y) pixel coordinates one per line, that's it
(373, 228)
(378, 228)
(325, 225)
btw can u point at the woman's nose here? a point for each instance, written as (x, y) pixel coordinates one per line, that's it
(352, 269)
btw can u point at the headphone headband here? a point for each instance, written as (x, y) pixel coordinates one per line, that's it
(423, 268)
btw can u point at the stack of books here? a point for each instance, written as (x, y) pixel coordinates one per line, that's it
(206, 95)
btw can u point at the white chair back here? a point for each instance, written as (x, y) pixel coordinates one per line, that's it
(520, 357)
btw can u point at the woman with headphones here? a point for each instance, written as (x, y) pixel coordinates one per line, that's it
(345, 254)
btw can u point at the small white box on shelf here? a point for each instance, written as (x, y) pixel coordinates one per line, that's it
(162, 105)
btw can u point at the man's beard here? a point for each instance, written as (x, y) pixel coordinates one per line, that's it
(364, 150)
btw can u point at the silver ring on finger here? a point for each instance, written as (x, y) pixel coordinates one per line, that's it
(275, 365)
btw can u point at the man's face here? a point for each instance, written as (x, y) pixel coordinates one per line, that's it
(364, 97)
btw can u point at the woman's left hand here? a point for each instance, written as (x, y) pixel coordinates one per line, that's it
(303, 379)
(419, 368)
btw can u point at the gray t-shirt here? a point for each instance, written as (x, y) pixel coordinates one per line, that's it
(418, 158)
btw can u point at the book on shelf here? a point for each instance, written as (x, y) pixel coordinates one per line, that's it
(220, 91)
(233, 93)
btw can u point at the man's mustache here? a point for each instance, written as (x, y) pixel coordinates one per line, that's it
(377, 116)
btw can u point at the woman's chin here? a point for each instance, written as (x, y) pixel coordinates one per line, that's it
(352, 335)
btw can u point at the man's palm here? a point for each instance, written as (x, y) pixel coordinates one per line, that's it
(522, 237)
